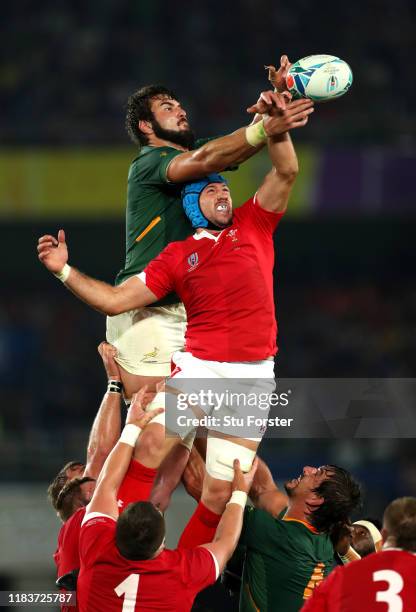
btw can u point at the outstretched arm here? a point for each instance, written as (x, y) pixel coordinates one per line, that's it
(235, 148)
(264, 492)
(105, 495)
(273, 194)
(105, 430)
(133, 293)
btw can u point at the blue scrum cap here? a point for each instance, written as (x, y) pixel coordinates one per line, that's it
(190, 199)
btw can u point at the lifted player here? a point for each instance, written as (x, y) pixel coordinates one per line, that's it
(168, 156)
(381, 581)
(124, 562)
(237, 300)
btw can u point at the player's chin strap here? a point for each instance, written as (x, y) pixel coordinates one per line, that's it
(190, 201)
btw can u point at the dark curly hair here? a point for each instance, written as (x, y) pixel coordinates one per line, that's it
(341, 494)
(71, 497)
(138, 109)
(60, 481)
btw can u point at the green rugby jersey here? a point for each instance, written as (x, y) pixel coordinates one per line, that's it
(285, 561)
(154, 213)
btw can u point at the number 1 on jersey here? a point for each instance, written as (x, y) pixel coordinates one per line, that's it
(128, 588)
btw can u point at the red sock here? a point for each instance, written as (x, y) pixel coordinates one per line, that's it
(137, 484)
(201, 527)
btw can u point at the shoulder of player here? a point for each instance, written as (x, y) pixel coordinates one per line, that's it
(148, 153)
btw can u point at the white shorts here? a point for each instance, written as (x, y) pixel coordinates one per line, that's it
(146, 338)
(244, 380)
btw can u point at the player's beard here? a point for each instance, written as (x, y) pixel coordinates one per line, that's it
(183, 138)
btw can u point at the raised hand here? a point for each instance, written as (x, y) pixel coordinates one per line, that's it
(278, 77)
(241, 481)
(269, 101)
(53, 252)
(296, 114)
(108, 353)
(136, 414)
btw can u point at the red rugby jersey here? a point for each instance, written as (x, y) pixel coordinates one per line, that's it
(381, 582)
(66, 556)
(108, 581)
(226, 285)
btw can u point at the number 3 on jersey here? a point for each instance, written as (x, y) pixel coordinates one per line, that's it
(128, 588)
(390, 596)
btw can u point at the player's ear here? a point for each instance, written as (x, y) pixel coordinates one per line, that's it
(145, 127)
(314, 500)
(384, 534)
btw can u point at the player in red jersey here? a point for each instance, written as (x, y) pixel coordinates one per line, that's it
(381, 582)
(124, 565)
(223, 274)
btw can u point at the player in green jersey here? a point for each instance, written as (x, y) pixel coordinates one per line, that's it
(168, 157)
(289, 550)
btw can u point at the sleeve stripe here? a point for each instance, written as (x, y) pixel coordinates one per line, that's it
(91, 515)
(142, 277)
(217, 567)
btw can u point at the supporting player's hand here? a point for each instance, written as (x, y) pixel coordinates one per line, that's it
(278, 77)
(296, 114)
(241, 481)
(53, 252)
(136, 414)
(108, 353)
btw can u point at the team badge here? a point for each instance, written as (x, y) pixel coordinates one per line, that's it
(233, 235)
(193, 261)
(151, 356)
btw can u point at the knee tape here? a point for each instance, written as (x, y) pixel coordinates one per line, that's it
(220, 458)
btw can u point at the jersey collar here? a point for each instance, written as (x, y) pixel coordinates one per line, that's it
(205, 234)
(307, 525)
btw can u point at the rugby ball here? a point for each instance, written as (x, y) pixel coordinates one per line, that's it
(319, 77)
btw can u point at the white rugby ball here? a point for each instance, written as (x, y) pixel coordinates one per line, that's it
(319, 77)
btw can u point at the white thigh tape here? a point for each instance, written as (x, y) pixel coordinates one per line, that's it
(157, 402)
(220, 458)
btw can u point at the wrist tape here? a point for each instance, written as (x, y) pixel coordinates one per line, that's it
(130, 434)
(238, 497)
(256, 134)
(114, 386)
(63, 274)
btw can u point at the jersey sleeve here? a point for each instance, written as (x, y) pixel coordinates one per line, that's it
(159, 275)
(199, 568)
(258, 528)
(151, 167)
(265, 221)
(96, 531)
(319, 600)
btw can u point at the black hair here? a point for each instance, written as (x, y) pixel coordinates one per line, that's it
(139, 109)
(140, 531)
(341, 495)
(59, 481)
(71, 497)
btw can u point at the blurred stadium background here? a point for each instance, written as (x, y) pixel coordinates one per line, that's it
(346, 297)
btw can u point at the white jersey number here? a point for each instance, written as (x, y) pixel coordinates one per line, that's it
(128, 588)
(391, 595)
